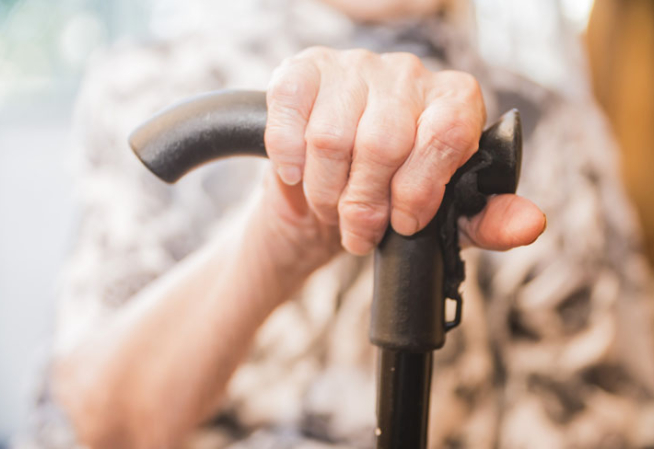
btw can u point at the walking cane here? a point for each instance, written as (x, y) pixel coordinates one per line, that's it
(414, 276)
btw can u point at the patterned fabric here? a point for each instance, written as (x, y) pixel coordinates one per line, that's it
(555, 349)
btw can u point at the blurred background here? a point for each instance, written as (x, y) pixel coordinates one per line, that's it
(45, 46)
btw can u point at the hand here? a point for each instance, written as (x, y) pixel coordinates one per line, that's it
(359, 139)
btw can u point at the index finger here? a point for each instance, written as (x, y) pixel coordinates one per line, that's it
(291, 95)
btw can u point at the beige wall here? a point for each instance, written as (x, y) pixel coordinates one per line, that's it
(621, 46)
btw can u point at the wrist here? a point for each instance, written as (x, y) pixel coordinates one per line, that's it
(276, 244)
(293, 234)
(294, 246)
(268, 257)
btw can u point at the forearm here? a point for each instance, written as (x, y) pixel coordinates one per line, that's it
(160, 366)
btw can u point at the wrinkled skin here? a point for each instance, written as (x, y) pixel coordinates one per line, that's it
(365, 139)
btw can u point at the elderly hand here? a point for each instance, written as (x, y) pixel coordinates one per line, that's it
(359, 139)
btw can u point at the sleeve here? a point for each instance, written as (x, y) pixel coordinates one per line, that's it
(133, 227)
(556, 347)
(569, 317)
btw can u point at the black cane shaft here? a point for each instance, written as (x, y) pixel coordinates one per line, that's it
(408, 306)
(403, 399)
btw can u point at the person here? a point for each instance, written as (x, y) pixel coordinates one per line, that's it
(160, 340)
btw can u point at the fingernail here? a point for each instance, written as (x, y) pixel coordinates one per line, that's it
(290, 174)
(403, 223)
(355, 244)
(545, 223)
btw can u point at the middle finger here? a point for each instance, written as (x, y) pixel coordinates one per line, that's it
(384, 140)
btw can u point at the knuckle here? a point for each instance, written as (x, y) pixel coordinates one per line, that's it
(410, 75)
(281, 140)
(461, 135)
(358, 55)
(469, 84)
(317, 52)
(292, 81)
(407, 63)
(464, 134)
(364, 218)
(285, 87)
(328, 141)
(371, 142)
(463, 85)
(321, 199)
(385, 147)
(412, 196)
(457, 134)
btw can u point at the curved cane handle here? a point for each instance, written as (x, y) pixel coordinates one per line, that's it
(232, 123)
(202, 129)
